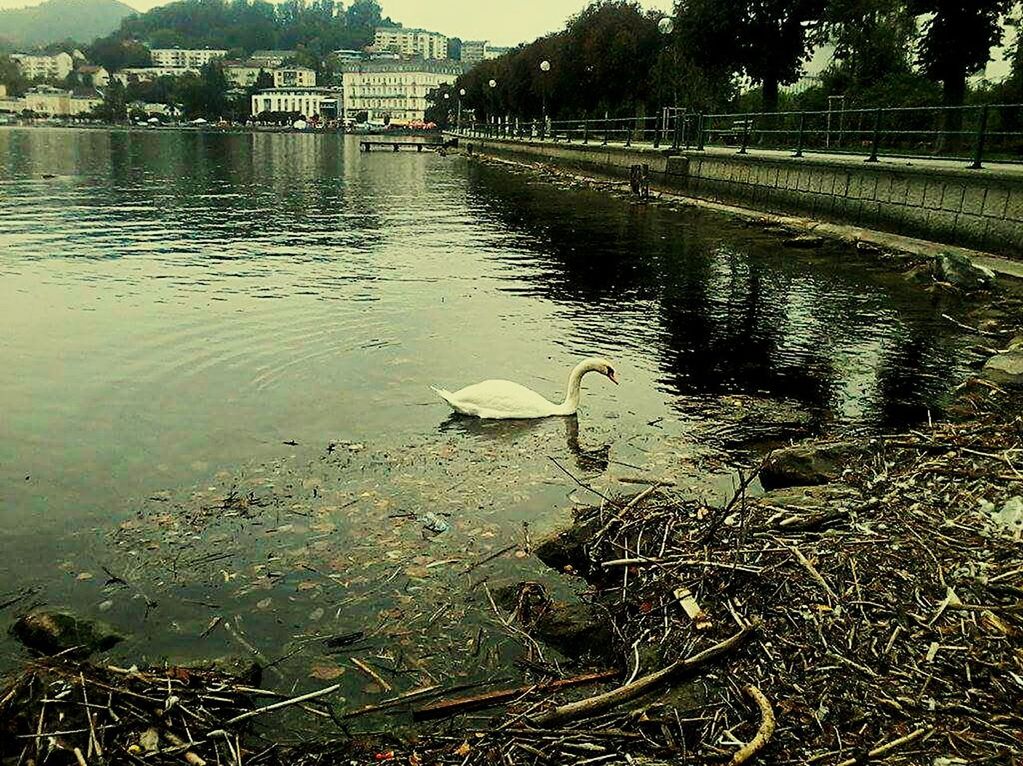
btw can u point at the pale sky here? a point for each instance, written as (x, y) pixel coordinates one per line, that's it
(503, 22)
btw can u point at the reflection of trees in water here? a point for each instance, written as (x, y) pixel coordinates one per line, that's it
(722, 314)
(725, 318)
(907, 385)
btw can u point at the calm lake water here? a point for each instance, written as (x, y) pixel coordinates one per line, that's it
(214, 370)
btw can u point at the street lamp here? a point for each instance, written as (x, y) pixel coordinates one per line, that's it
(545, 67)
(461, 94)
(665, 26)
(493, 86)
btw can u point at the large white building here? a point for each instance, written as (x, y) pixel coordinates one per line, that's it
(324, 103)
(179, 57)
(40, 67)
(55, 102)
(411, 42)
(394, 91)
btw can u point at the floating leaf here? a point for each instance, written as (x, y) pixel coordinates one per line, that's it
(326, 672)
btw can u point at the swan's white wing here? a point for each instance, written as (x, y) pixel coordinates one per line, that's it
(498, 399)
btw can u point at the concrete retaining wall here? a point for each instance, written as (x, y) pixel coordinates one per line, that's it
(980, 209)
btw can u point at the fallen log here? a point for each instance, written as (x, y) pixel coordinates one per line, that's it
(594, 705)
(450, 707)
(764, 732)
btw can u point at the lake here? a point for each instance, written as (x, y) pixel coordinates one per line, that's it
(215, 367)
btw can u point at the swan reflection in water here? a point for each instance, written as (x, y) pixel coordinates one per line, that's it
(590, 458)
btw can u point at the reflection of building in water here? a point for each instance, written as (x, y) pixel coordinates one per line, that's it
(394, 90)
(324, 103)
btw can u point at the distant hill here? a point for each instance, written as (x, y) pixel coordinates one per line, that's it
(55, 20)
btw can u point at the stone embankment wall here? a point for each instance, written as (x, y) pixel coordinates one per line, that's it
(981, 209)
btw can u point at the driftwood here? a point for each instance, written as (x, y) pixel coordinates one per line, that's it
(763, 734)
(446, 708)
(600, 703)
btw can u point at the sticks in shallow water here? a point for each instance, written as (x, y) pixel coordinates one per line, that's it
(602, 702)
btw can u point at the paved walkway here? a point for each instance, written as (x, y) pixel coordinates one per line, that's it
(993, 168)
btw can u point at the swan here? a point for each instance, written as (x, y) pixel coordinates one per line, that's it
(504, 400)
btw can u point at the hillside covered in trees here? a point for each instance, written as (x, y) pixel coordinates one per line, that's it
(243, 26)
(58, 19)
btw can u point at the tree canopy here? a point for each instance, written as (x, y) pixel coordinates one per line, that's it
(318, 26)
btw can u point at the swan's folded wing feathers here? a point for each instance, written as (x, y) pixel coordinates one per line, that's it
(499, 398)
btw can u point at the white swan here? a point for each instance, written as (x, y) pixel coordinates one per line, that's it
(504, 400)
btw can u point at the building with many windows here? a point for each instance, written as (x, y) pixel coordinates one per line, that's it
(495, 51)
(242, 74)
(271, 59)
(411, 42)
(183, 57)
(473, 51)
(394, 90)
(294, 77)
(323, 103)
(42, 67)
(55, 102)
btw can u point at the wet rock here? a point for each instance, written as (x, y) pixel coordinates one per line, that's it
(805, 464)
(1006, 369)
(804, 241)
(1016, 344)
(960, 272)
(741, 422)
(574, 630)
(565, 549)
(50, 631)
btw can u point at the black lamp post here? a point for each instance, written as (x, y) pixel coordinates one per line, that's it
(545, 67)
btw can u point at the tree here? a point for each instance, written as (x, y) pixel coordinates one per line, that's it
(957, 40)
(11, 77)
(115, 106)
(264, 80)
(204, 95)
(873, 39)
(116, 54)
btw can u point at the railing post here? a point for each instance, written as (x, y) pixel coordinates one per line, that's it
(657, 128)
(799, 140)
(978, 156)
(745, 133)
(628, 132)
(607, 128)
(543, 129)
(586, 130)
(877, 136)
(677, 135)
(699, 133)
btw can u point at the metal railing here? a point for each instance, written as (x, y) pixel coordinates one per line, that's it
(975, 134)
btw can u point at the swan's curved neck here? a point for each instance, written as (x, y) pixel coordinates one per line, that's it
(575, 379)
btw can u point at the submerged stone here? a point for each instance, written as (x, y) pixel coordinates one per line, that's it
(574, 630)
(1006, 369)
(960, 272)
(806, 464)
(565, 548)
(51, 631)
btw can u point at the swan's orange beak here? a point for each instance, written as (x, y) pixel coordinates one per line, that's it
(611, 377)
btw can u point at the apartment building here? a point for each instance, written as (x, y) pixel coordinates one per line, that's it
(183, 57)
(42, 67)
(411, 42)
(394, 90)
